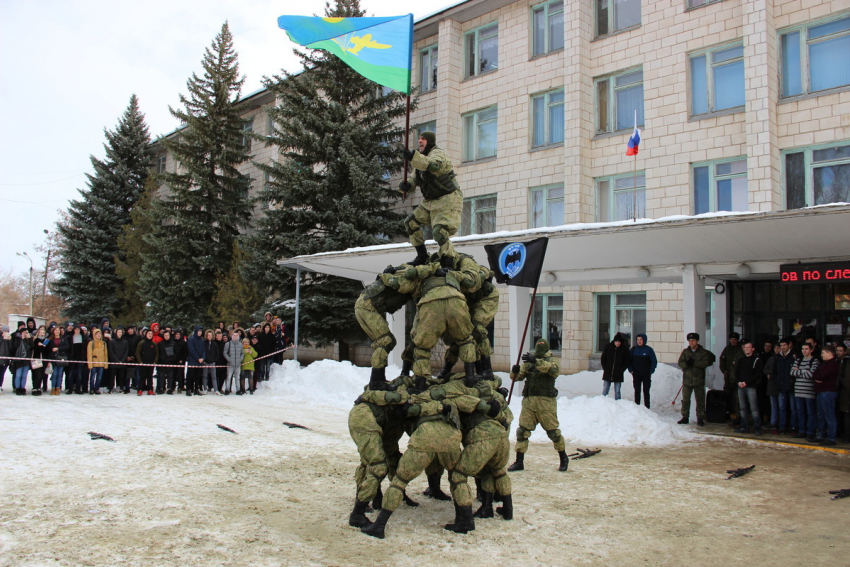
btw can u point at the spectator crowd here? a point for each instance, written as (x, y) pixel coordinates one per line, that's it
(97, 359)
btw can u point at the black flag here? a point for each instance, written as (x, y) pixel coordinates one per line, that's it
(518, 263)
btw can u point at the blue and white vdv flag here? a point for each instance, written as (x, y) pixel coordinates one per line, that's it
(518, 263)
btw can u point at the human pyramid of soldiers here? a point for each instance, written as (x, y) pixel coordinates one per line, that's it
(456, 422)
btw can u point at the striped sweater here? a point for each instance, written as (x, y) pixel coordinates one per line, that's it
(802, 370)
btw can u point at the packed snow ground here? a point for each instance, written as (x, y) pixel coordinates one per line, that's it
(585, 416)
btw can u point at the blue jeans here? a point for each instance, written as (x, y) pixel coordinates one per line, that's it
(786, 400)
(806, 416)
(20, 379)
(827, 420)
(607, 388)
(95, 376)
(56, 377)
(774, 411)
(751, 395)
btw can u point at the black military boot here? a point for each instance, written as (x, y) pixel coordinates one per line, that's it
(376, 528)
(684, 421)
(463, 521)
(378, 500)
(358, 518)
(378, 379)
(434, 490)
(421, 256)
(518, 466)
(446, 372)
(406, 367)
(486, 509)
(506, 510)
(565, 461)
(408, 500)
(471, 379)
(486, 370)
(478, 490)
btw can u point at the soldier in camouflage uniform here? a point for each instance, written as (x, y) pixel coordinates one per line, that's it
(442, 200)
(539, 402)
(693, 361)
(371, 310)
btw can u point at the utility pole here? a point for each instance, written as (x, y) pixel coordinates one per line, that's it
(44, 284)
(27, 256)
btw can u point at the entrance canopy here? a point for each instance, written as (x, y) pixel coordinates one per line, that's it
(645, 251)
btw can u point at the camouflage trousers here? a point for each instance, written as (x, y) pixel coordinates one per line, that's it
(375, 325)
(368, 436)
(485, 459)
(433, 319)
(443, 212)
(699, 395)
(494, 476)
(542, 410)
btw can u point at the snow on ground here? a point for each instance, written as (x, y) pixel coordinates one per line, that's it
(585, 416)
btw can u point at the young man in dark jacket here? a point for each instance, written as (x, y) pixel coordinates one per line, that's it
(642, 366)
(615, 360)
(748, 375)
(777, 370)
(181, 352)
(133, 339)
(119, 351)
(195, 360)
(167, 356)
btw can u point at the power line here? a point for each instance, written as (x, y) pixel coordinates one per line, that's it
(42, 183)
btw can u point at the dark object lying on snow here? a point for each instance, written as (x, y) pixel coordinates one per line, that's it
(96, 435)
(295, 425)
(584, 453)
(220, 426)
(843, 493)
(735, 473)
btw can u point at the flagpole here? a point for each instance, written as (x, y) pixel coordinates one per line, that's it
(522, 342)
(634, 181)
(406, 140)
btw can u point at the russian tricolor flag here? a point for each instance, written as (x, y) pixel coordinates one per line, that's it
(634, 140)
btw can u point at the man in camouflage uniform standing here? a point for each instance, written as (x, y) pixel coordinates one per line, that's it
(728, 359)
(442, 200)
(693, 361)
(539, 402)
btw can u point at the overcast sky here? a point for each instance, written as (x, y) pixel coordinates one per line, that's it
(69, 67)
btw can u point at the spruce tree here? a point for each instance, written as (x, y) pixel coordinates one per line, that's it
(88, 282)
(338, 138)
(129, 262)
(201, 207)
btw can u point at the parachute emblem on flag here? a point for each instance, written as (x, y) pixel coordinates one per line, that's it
(512, 259)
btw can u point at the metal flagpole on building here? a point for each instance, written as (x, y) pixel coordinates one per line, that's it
(634, 180)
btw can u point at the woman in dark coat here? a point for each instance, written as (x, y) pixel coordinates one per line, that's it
(181, 352)
(615, 361)
(167, 355)
(147, 353)
(119, 351)
(264, 347)
(77, 370)
(39, 350)
(58, 350)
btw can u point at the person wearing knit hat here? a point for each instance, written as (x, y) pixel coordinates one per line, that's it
(442, 201)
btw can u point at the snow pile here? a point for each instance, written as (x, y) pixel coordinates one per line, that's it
(586, 418)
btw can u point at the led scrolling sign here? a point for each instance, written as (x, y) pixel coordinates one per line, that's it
(815, 273)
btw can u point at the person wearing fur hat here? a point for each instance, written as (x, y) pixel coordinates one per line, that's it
(442, 200)
(693, 361)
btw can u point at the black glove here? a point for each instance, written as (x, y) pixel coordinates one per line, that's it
(447, 409)
(408, 154)
(404, 186)
(389, 270)
(529, 358)
(689, 362)
(441, 273)
(515, 369)
(503, 391)
(495, 408)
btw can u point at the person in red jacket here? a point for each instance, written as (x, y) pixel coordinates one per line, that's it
(826, 390)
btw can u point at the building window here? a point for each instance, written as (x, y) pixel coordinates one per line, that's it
(717, 80)
(160, 164)
(623, 313)
(616, 15)
(426, 127)
(247, 127)
(428, 69)
(720, 186)
(269, 125)
(616, 197)
(265, 204)
(245, 189)
(479, 134)
(547, 119)
(478, 216)
(618, 98)
(547, 320)
(547, 22)
(814, 58)
(697, 3)
(482, 50)
(817, 176)
(547, 206)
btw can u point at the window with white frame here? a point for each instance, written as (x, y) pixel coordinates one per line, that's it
(817, 176)
(697, 3)
(547, 320)
(618, 98)
(720, 186)
(269, 125)
(247, 127)
(479, 134)
(426, 127)
(547, 27)
(815, 57)
(623, 313)
(265, 204)
(547, 206)
(428, 69)
(478, 215)
(160, 164)
(617, 197)
(616, 15)
(482, 50)
(547, 119)
(717, 79)
(245, 190)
